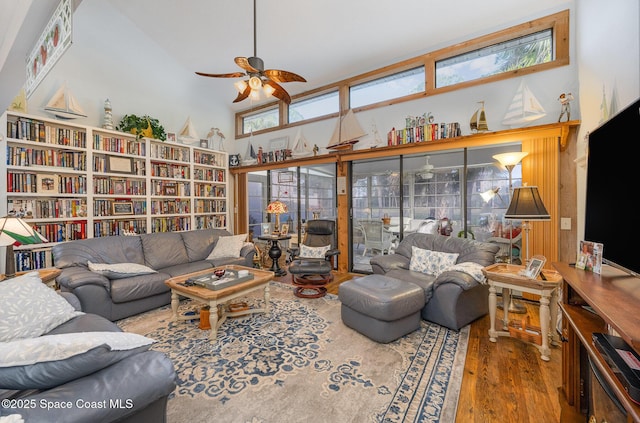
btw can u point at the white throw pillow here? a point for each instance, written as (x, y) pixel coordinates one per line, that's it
(228, 246)
(29, 308)
(120, 270)
(431, 262)
(313, 252)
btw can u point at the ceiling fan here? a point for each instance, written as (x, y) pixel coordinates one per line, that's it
(259, 77)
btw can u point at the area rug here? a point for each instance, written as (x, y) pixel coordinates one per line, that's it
(301, 363)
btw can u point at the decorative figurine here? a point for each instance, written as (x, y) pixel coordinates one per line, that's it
(219, 145)
(108, 118)
(565, 101)
(315, 149)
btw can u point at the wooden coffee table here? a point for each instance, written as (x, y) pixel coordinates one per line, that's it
(213, 299)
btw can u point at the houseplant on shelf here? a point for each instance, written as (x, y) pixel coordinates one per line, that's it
(142, 126)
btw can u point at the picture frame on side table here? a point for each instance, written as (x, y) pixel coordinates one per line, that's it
(284, 229)
(534, 267)
(266, 228)
(47, 183)
(116, 164)
(121, 208)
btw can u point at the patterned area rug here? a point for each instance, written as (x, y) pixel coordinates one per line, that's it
(301, 363)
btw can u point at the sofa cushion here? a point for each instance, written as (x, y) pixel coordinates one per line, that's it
(163, 249)
(107, 249)
(120, 270)
(137, 287)
(483, 253)
(199, 243)
(29, 308)
(228, 246)
(51, 360)
(313, 252)
(431, 262)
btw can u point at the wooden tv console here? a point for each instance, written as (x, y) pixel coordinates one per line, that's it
(614, 299)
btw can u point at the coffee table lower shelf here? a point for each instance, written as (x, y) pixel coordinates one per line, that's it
(214, 299)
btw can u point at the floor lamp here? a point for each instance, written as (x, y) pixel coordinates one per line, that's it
(509, 161)
(12, 230)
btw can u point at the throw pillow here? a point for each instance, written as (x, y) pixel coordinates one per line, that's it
(120, 270)
(313, 252)
(431, 262)
(29, 308)
(228, 246)
(51, 360)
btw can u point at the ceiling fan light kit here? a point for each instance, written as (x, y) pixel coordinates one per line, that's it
(260, 79)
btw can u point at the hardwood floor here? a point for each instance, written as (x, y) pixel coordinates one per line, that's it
(506, 381)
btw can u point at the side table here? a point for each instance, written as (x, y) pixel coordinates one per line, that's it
(506, 277)
(48, 275)
(275, 252)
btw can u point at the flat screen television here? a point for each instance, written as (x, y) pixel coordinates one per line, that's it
(613, 183)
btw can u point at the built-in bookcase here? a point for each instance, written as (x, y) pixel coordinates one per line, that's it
(74, 182)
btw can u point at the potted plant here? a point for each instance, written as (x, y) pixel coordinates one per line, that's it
(142, 126)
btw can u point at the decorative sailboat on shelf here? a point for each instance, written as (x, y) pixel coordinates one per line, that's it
(478, 121)
(347, 133)
(524, 108)
(188, 134)
(301, 147)
(250, 157)
(64, 105)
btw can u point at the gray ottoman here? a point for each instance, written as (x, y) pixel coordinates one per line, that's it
(381, 308)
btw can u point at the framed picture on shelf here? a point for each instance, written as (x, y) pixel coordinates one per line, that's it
(170, 189)
(47, 183)
(121, 208)
(171, 136)
(204, 143)
(119, 187)
(163, 172)
(117, 164)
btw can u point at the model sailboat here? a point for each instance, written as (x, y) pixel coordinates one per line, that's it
(479, 119)
(347, 132)
(64, 105)
(524, 108)
(250, 156)
(301, 147)
(188, 134)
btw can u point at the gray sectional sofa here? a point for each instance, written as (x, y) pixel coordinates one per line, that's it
(168, 253)
(454, 298)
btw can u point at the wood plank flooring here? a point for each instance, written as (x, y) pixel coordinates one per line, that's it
(506, 381)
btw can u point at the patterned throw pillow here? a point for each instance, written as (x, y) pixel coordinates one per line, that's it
(431, 262)
(228, 246)
(120, 270)
(313, 252)
(29, 308)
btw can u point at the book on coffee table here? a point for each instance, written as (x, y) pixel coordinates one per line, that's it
(211, 281)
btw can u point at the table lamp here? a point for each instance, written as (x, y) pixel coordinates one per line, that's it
(277, 207)
(15, 230)
(526, 205)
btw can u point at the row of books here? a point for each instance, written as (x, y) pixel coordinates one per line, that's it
(205, 190)
(164, 170)
(179, 189)
(33, 259)
(64, 231)
(210, 159)
(170, 206)
(171, 224)
(119, 227)
(27, 156)
(208, 222)
(119, 145)
(101, 164)
(210, 206)
(105, 207)
(428, 132)
(215, 175)
(38, 131)
(45, 183)
(47, 208)
(119, 186)
(167, 152)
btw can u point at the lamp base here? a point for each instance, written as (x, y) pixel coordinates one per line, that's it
(10, 263)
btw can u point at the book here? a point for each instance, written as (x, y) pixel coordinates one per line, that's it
(590, 256)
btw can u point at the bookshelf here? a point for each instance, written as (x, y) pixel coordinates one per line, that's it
(74, 182)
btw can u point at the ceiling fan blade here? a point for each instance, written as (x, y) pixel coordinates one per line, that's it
(279, 92)
(222, 75)
(243, 62)
(241, 96)
(283, 76)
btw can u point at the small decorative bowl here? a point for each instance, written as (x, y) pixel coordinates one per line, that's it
(219, 272)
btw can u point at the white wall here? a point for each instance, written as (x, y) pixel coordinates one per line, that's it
(608, 59)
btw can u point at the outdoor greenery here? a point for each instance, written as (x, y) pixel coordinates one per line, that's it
(142, 126)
